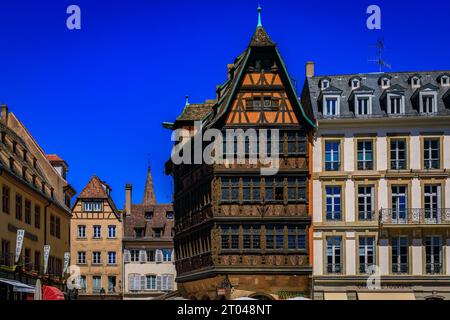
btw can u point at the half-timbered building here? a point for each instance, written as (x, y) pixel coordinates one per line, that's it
(96, 232)
(239, 232)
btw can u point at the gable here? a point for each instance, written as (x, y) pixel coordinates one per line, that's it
(263, 94)
(272, 81)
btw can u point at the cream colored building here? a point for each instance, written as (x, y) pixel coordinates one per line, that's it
(96, 242)
(35, 197)
(149, 268)
(381, 185)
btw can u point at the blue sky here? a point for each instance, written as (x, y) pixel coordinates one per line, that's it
(97, 96)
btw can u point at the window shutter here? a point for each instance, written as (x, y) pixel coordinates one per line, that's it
(142, 256)
(158, 283)
(142, 283)
(170, 282)
(172, 256)
(159, 256)
(131, 282)
(126, 256)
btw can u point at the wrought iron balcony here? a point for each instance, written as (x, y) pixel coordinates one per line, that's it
(417, 216)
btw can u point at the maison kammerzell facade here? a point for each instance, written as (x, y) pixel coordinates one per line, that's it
(237, 232)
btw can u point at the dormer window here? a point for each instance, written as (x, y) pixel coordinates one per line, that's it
(445, 81)
(395, 104)
(169, 215)
(324, 84)
(355, 84)
(428, 103)
(331, 106)
(363, 105)
(158, 232)
(385, 83)
(415, 82)
(139, 232)
(148, 215)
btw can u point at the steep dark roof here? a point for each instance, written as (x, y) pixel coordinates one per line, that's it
(400, 81)
(211, 113)
(159, 220)
(195, 112)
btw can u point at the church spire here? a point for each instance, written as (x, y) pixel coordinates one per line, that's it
(259, 16)
(149, 191)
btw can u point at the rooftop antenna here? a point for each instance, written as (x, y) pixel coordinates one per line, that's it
(379, 61)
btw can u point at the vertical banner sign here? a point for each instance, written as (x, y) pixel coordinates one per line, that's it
(19, 243)
(66, 262)
(46, 255)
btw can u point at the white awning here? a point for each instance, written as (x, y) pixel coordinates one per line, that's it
(386, 296)
(18, 286)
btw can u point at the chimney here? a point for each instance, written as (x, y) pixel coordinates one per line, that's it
(128, 193)
(5, 114)
(310, 69)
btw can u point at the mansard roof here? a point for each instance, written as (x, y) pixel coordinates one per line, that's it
(399, 81)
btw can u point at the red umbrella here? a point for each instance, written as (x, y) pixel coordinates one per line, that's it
(52, 293)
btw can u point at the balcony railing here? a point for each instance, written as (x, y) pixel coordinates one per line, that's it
(433, 268)
(334, 215)
(332, 166)
(366, 268)
(366, 215)
(415, 216)
(398, 165)
(432, 164)
(334, 268)
(365, 165)
(400, 268)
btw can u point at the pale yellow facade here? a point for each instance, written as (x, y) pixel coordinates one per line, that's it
(106, 244)
(35, 198)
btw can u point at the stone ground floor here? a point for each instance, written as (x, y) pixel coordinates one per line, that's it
(388, 288)
(258, 286)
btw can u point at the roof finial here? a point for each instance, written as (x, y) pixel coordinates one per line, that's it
(187, 100)
(259, 16)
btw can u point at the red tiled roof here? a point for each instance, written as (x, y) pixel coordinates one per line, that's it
(195, 112)
(159, 220)
(54, 158)
(95, 189)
